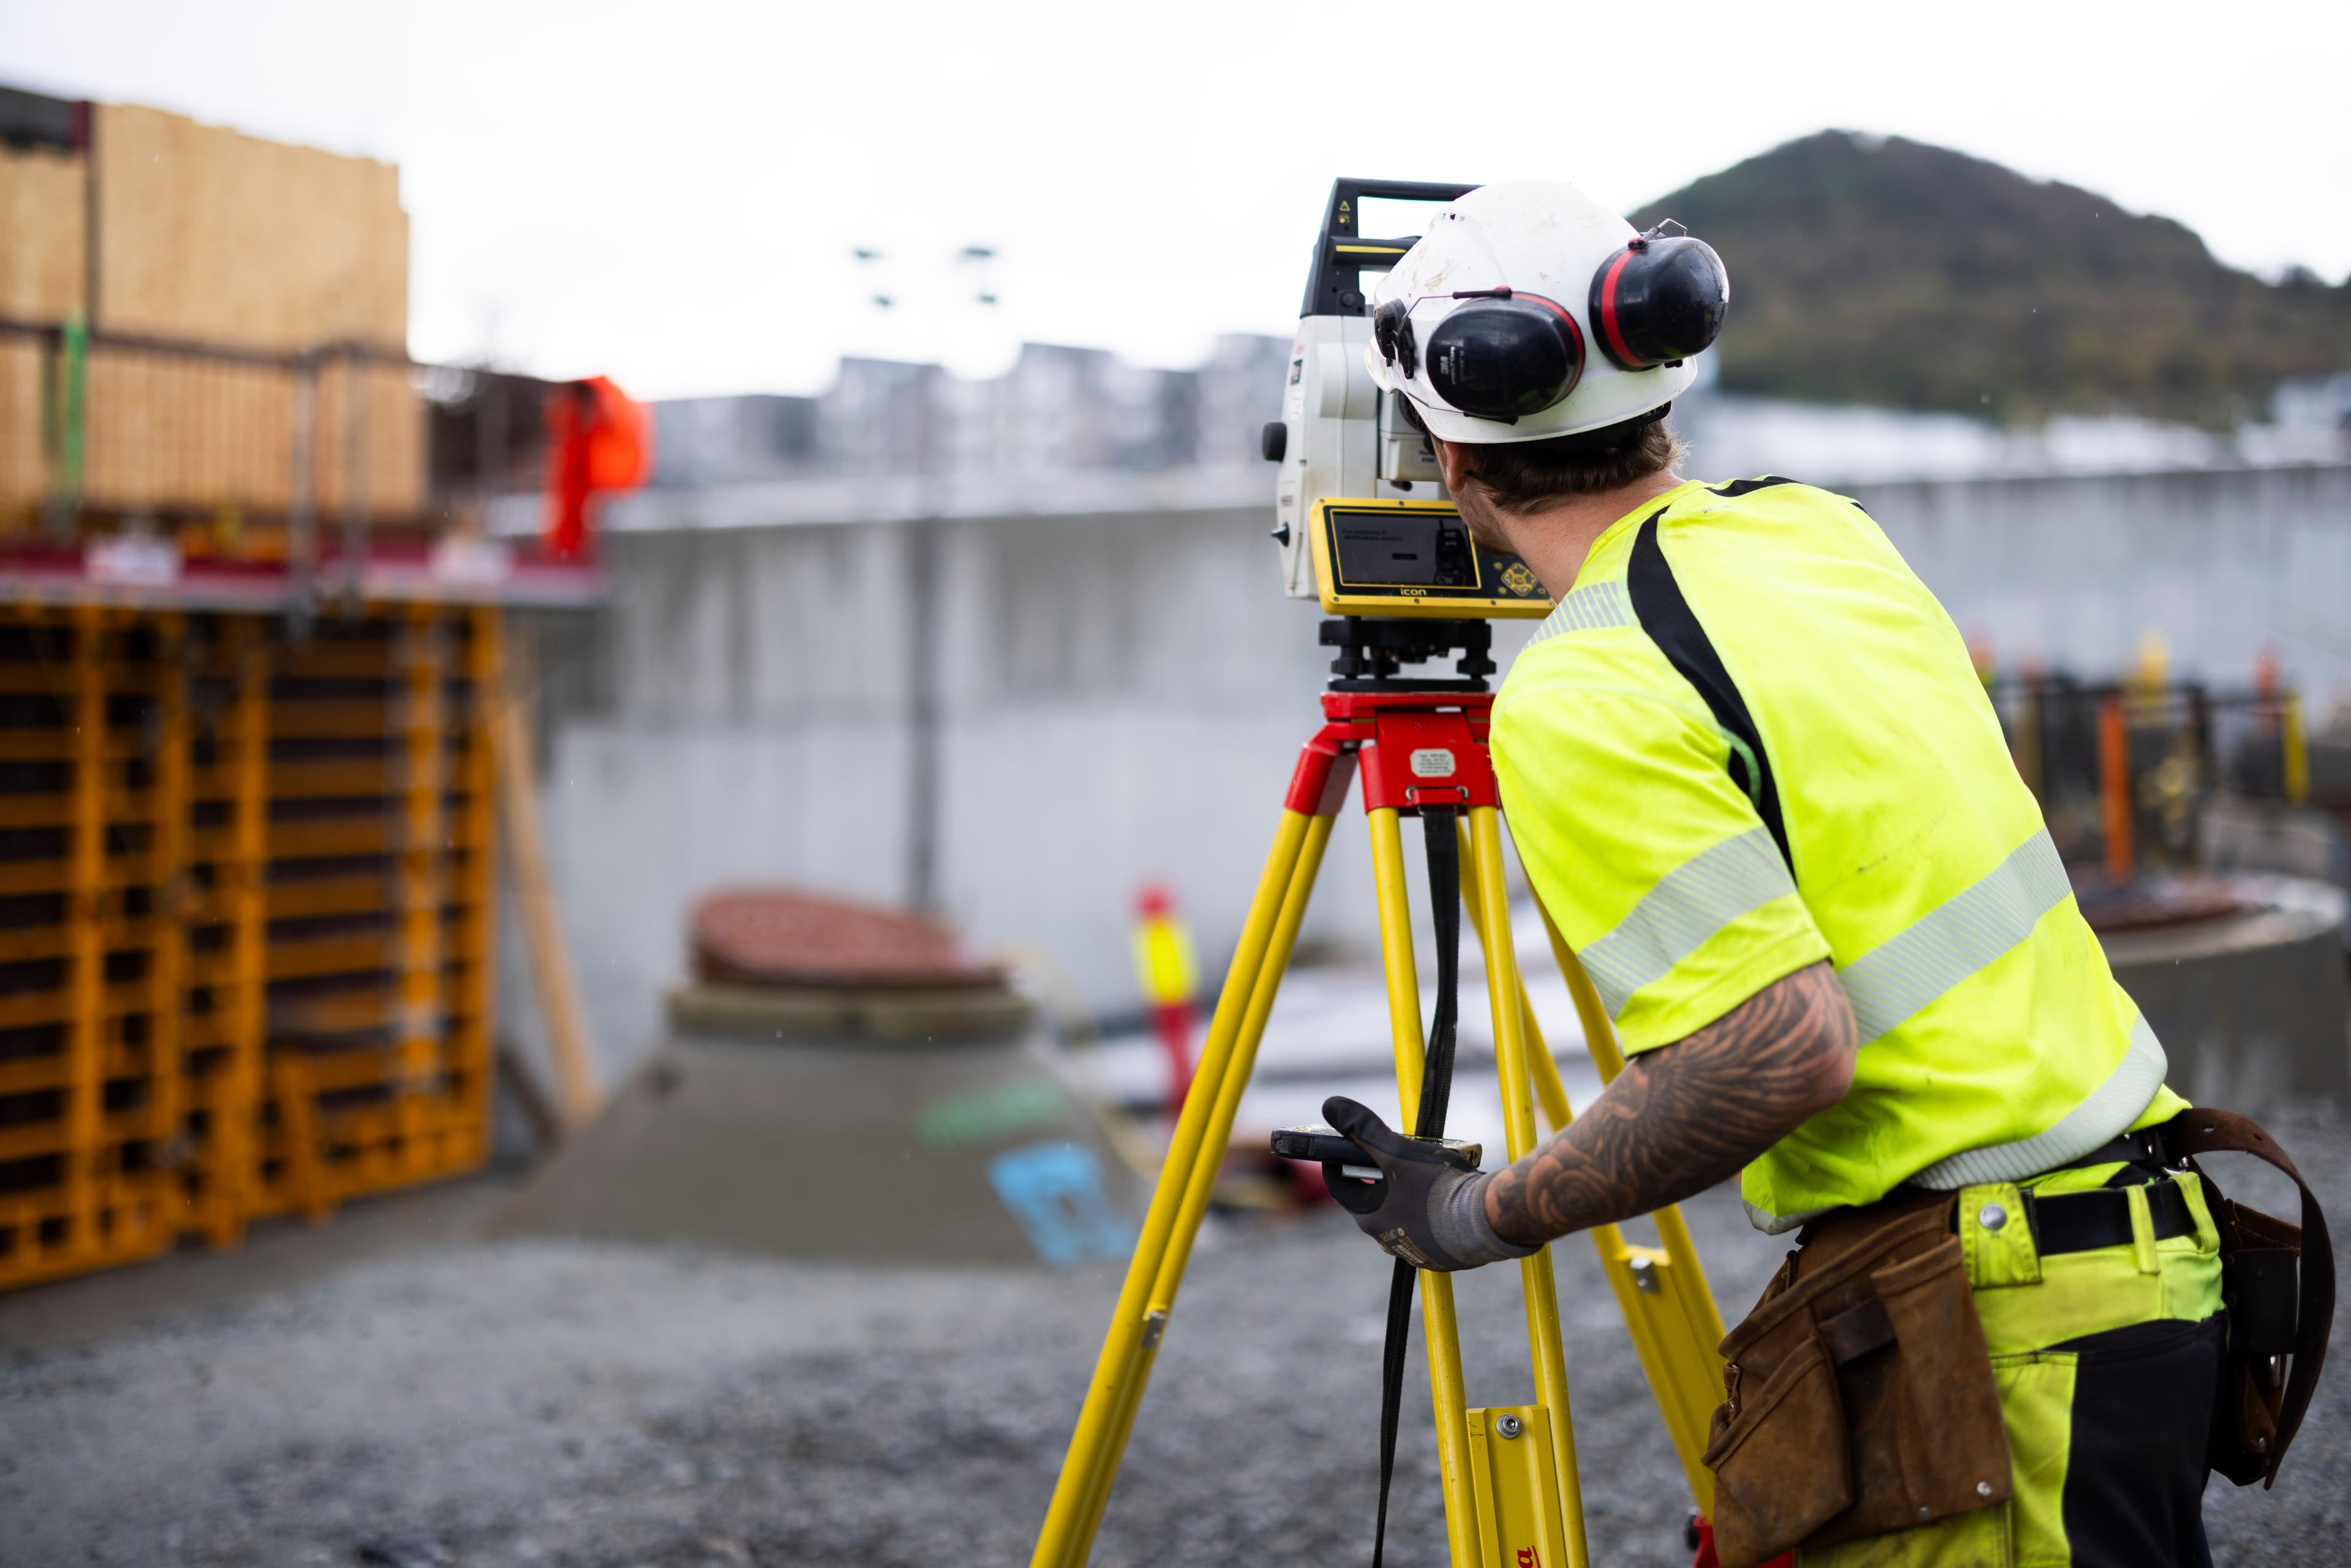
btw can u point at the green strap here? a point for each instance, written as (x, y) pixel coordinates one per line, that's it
(64, 411)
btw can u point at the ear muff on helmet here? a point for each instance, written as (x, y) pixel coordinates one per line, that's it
(1505, 356)
(1392, 330)
(1659, 300)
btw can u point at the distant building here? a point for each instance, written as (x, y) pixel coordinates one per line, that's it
(1058, 409)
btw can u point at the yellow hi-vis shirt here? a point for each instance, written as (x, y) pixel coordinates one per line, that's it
(1750, 740)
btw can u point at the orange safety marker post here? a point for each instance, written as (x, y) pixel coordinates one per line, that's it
(2114, 784)
(1170, 981)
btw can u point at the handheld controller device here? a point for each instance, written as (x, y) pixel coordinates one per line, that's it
(1361, 513)
(1324, 1144)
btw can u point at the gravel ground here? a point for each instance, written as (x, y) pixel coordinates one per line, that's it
(472, 1403)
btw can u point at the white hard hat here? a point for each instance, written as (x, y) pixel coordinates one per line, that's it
(1486, 323)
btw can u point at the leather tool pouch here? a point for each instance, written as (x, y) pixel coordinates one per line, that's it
(2278, 1284)
(1859, 1396)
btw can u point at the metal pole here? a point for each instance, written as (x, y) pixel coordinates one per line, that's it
(302, 506)
(922, 659)
(355, 454)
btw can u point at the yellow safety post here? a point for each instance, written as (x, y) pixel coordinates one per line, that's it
(1169, 979)
(2293, 746)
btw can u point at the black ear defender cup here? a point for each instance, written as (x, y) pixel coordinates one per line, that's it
(1392, 330)
(1659, 300)
(1505, 356)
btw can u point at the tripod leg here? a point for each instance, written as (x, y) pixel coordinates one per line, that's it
(1186, 1178)
(1510, 1049)
(1662, 1291)
(1672, 1229)
(1440, 1326)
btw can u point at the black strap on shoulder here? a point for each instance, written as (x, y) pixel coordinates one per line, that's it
(1737, 488)
(1666, 617)
(1436, 1096)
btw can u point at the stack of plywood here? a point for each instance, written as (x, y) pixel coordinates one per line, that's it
(44, 264)
(195, 236)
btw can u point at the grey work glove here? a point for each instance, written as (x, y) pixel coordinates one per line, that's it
(1431, 1209)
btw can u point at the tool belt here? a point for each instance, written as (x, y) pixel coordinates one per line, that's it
(1859, 1396)
(2277, 1283)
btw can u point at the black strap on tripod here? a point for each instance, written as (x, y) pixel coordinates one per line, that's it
(1435, 1092)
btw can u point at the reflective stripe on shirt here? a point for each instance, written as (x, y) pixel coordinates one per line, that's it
(1587, 608)
(1688, 905)
(1958, 937)
(2106, 1114)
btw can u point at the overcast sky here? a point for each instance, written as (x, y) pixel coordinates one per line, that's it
(671, 193)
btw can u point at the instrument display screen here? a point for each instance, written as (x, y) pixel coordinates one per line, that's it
(1414, 558)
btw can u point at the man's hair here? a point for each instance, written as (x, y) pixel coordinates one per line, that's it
(1519, 475)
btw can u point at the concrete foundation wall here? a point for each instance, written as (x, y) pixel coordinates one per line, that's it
(2073, 572)
(1122, 696)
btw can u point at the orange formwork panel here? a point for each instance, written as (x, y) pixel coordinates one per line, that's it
(245, 920)
(90, 1102)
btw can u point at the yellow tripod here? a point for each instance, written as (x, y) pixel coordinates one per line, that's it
(1512, 1498)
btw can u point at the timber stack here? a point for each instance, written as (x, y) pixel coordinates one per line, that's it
(249, 665)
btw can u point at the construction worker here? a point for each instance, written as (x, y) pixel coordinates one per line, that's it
(1756, 781)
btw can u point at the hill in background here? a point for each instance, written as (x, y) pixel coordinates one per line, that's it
(1893, 273)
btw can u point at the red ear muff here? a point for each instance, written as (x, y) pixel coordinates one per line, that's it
(1505, 358)
(1659, 300)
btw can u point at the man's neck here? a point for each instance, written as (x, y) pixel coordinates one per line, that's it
(1555, 538)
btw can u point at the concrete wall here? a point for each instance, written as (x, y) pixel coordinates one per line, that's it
(2075, 572)
(1122, 700)
(1122, 694)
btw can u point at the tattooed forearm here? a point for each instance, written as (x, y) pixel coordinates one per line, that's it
(1682, 1117)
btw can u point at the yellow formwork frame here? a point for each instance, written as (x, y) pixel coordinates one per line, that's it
(177, 1063)
(1674, 1324)
(469, 1042)
(85, 1155)
(167, 977)
(231, 1136)
(418, 1004)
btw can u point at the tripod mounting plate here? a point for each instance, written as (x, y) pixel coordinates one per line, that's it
(1373, 652)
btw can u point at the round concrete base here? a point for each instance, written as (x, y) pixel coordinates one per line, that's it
(2253, 1007)
(747, 1132)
